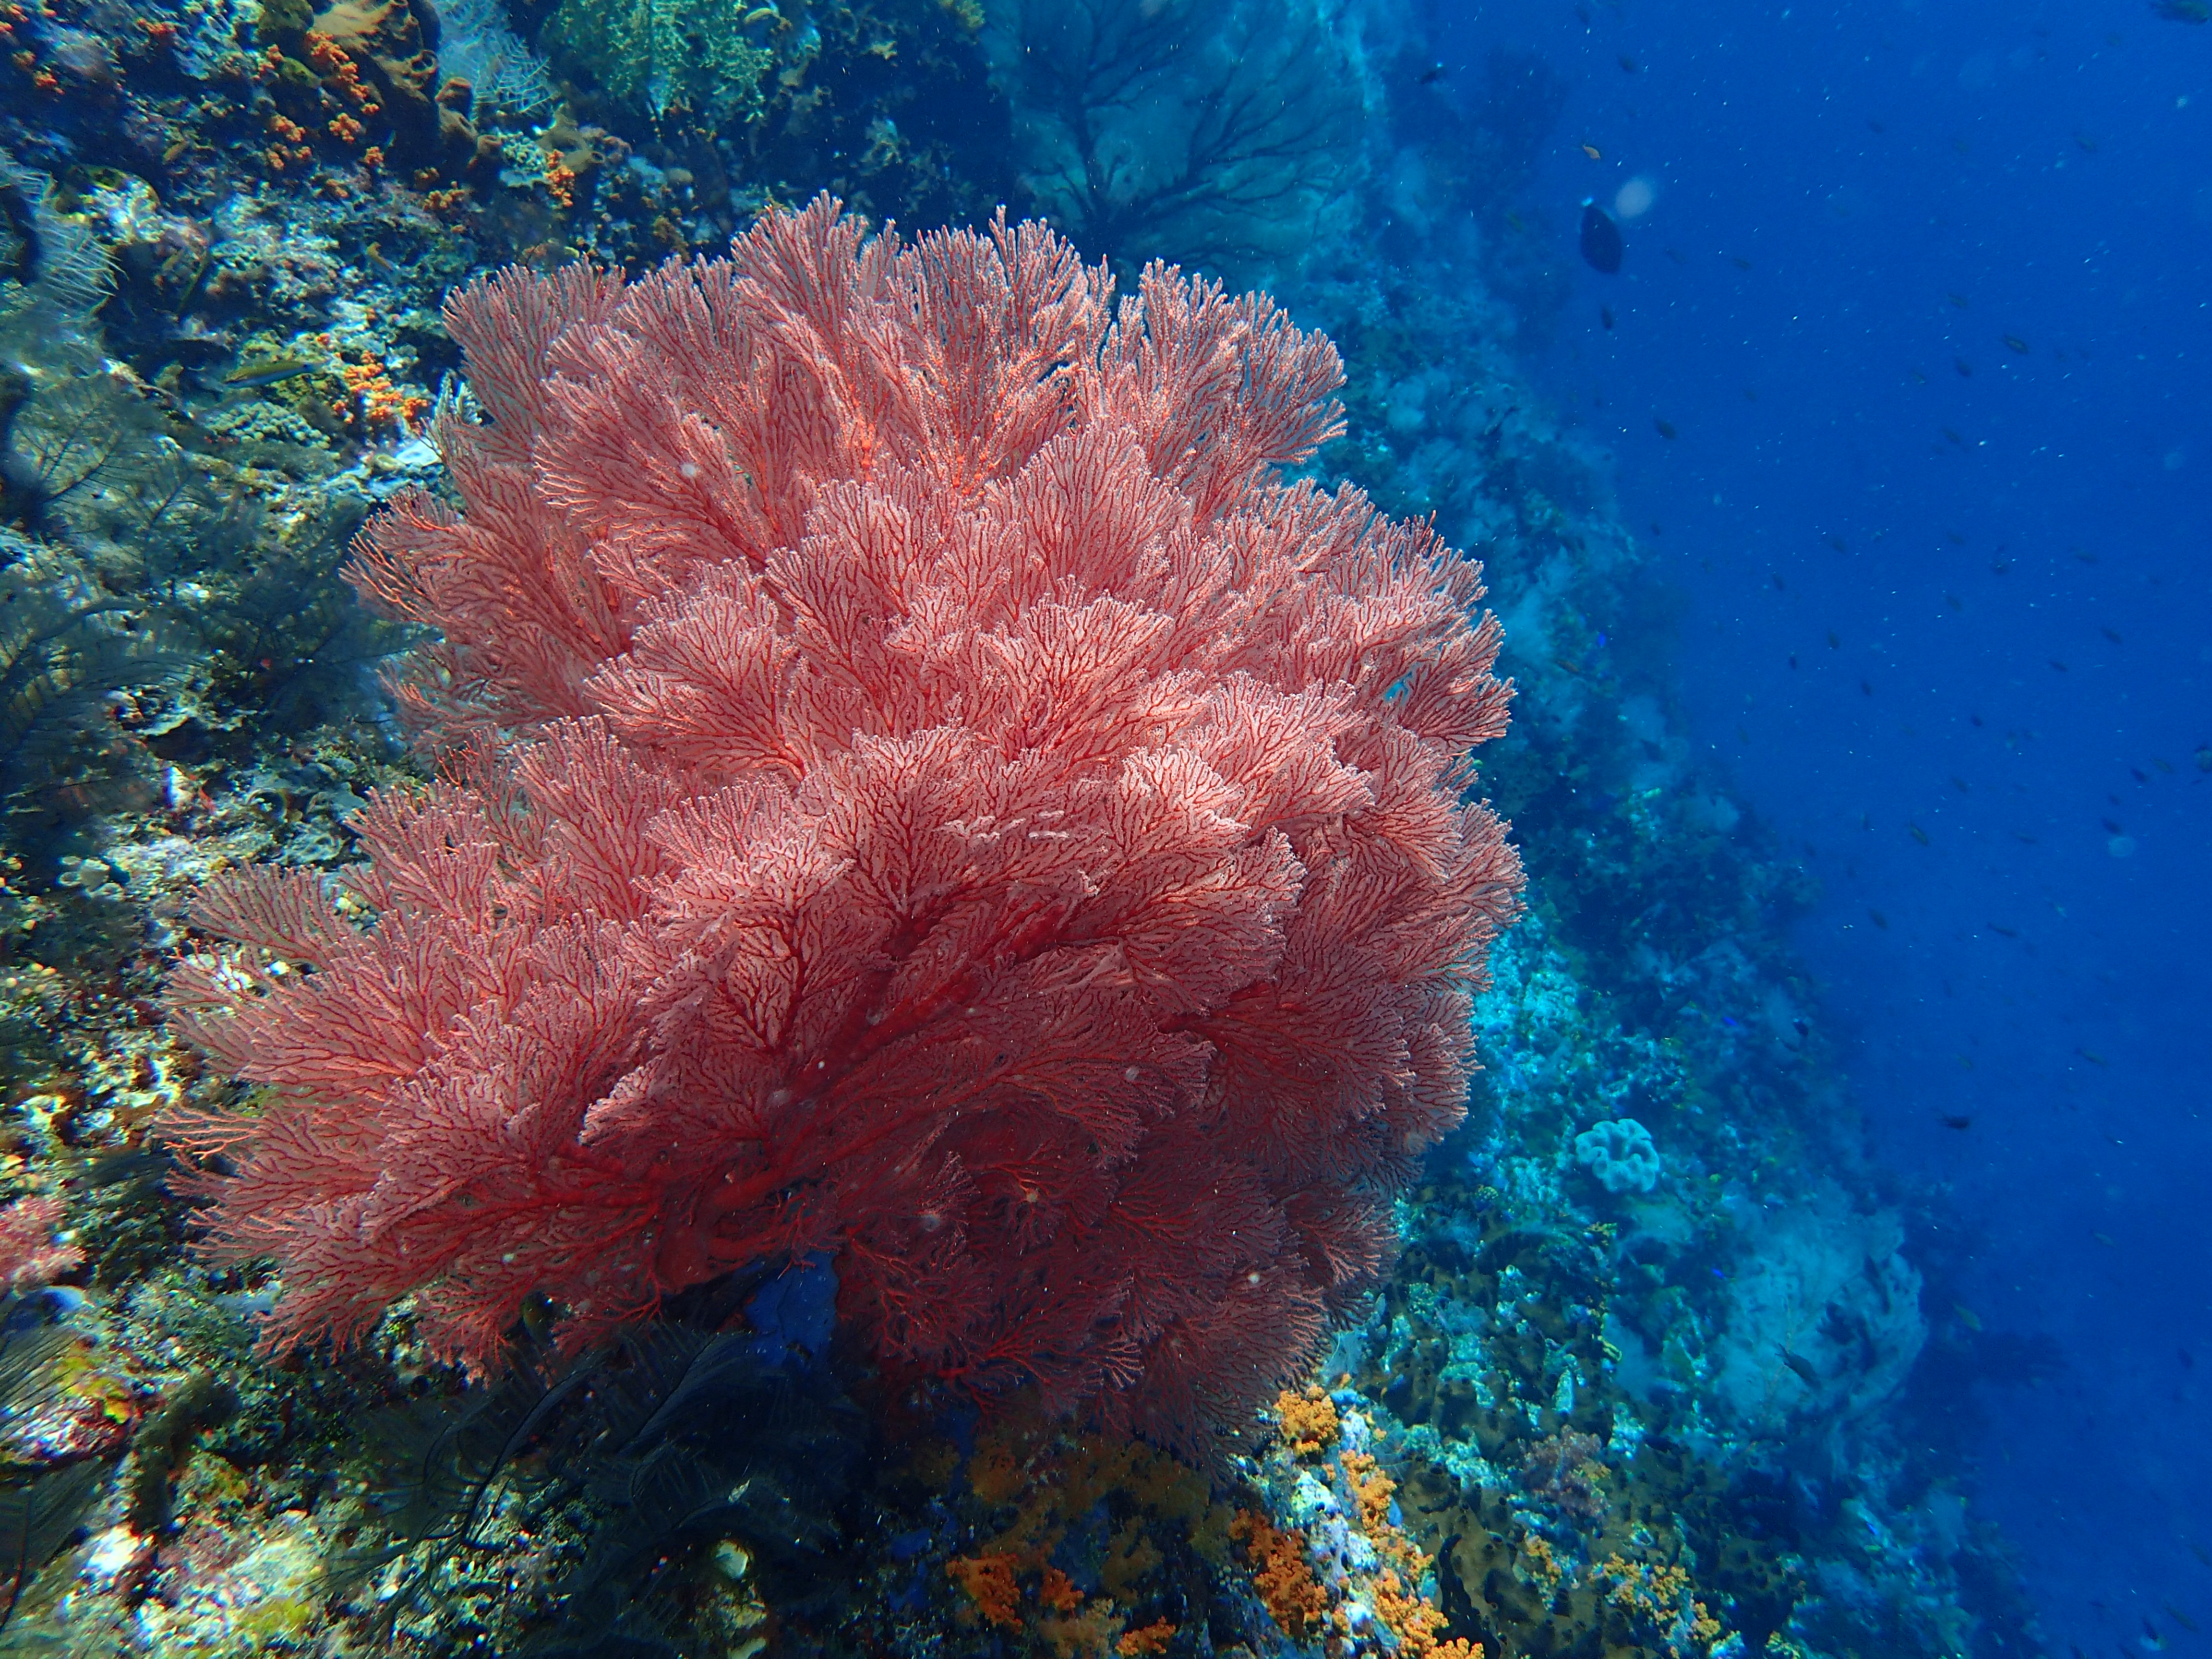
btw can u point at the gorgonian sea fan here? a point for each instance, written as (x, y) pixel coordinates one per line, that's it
(923, 789)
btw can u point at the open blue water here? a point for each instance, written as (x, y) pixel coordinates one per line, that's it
(1925, 294)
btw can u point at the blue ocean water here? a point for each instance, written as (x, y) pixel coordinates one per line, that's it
(1905, 375)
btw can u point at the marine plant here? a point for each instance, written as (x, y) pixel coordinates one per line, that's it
(922, 790)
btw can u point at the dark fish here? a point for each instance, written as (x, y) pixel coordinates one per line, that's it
(2059, 665)
(1808, 1373)
(1833, 642)
(1918, 834)
(1627, 64)
(1839, 543)
(1602, 248)
(1959, 300)
(2109, 635)
(1664, 428)
(1999, 927)
(1431, 76)
(2013, 342)
(1966, 369)
(1954, 437)
(1950, 1123)
(2183, 11)
(2093, 1057)
(1604, 315)
(1878, 919)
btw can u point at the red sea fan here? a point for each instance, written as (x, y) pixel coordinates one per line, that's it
(923, 790)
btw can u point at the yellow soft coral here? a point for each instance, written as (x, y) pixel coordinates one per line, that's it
(1308, 1420)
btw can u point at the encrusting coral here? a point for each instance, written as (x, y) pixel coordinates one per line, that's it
(922, 791)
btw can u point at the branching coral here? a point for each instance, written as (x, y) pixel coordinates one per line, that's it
(973, 821)
(1216, 133)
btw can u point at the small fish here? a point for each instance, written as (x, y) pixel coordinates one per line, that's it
(1919, 377)
(1878, 919)
(2060, 666)
(1664, 428)
(2111, 828)
(1839, 543)
(2198, 1550)
(1780, 586)
(1738, 262)
(1604, 315)
(2165, 765)
(1678, 256)
(1955, 538)
(2172, 1611)
(1959, 300)
(1833, 642)
(1431, 76)
(2013, 343)
(2105, 1239)
(1808, 1373)
(1952, 1122)
(1867, 687)
(1998, 567)
(1601, 245)
(1591, 150)
(2093, 1057)
(1953, 436)
(1966, 369)
(2138, 774)
(1966, 1315)
(268, 371)
(1918, 834)
(2110, 634)
(1960, 784)
(2086, 558)
(1954, 601)
(1999, 928)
